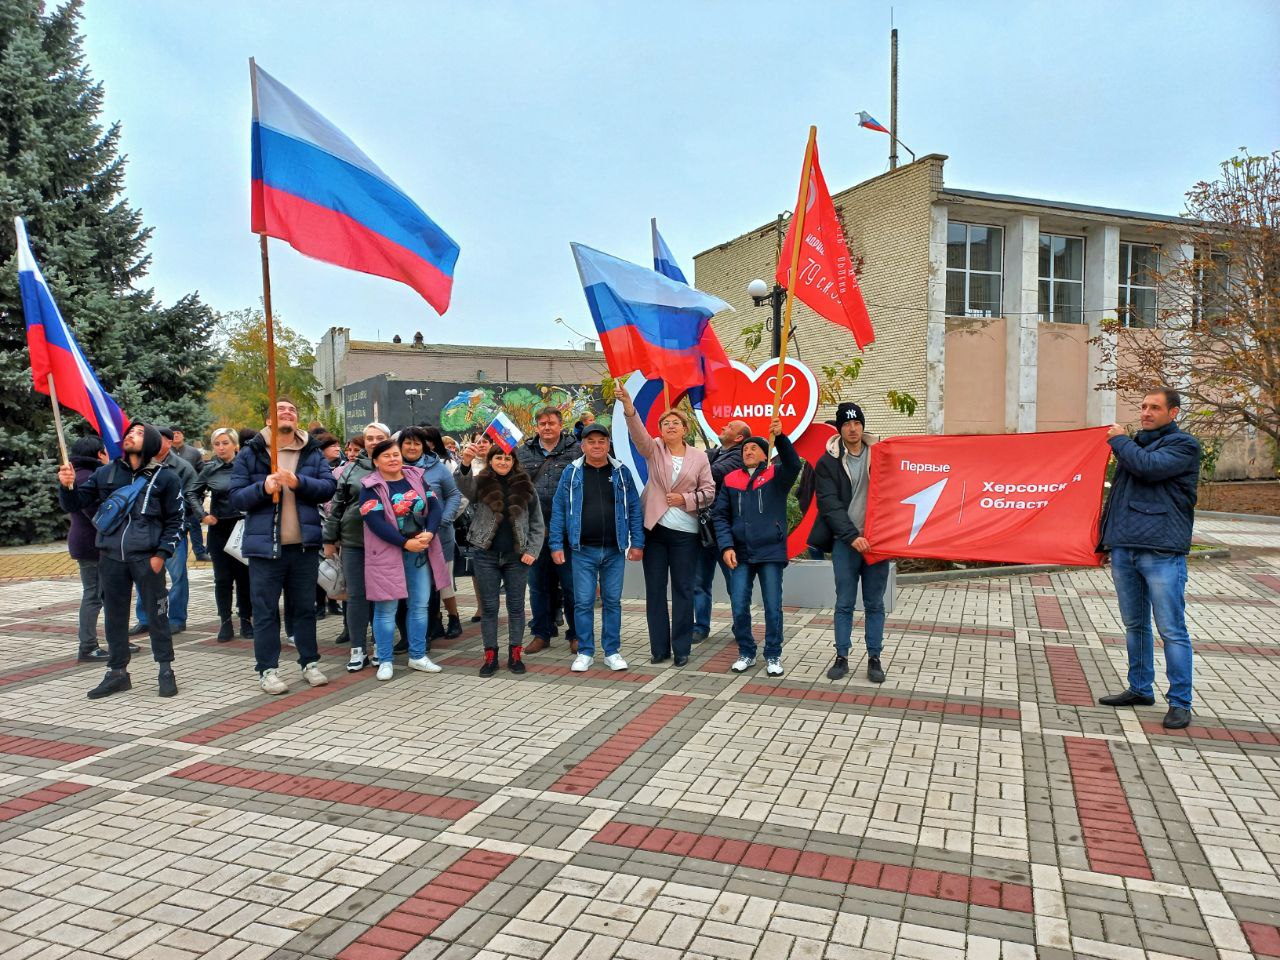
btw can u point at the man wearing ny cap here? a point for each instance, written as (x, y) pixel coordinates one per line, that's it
(841, 483)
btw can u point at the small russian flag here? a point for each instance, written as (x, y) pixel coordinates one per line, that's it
(871, 123)
(504, 433)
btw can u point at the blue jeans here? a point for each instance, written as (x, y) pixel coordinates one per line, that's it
(175, 568)
(196, 532)
(770, 577)
(603, 566)
(850, 571)
(292, 574)
(542, 576)
(704, 573)
(418, 579)
(1154, 582)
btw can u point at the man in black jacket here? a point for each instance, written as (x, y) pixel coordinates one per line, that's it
(841, 479)
(175, 568)
(544, 456)
(134, 553)
(1147, 526)
(724, 460)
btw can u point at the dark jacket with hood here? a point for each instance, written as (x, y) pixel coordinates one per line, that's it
(82, 536)
(190, 481)
(215, 479)
(1153, 493)
(724, 462)
(544, 469)
(833, 491)
(262, 514)
(155, 522)
(520, 507)
(751, 508)
(344, 523)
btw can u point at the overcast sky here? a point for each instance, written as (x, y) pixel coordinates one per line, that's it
(520, 127)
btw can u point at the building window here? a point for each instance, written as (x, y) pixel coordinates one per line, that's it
(1061, 278)
(975, 255)
(1137, 303)
(1213, 288)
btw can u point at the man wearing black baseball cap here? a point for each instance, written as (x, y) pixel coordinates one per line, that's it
(842, 479)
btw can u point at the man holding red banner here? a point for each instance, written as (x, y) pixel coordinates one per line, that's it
(842, 483)
(1147, 526)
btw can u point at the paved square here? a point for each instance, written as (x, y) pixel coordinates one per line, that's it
(977, 804)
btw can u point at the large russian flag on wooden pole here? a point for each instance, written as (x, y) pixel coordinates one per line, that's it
(316, 190)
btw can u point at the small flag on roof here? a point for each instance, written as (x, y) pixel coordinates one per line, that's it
(871, 123)
(504, 433)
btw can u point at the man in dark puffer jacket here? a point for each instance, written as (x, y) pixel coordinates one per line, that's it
(1147, 527)
(282, 540)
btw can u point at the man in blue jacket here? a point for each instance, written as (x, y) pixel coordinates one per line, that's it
(751, 531)
(282, 540)
(596, 511)
(1147, 527)
(134, 552)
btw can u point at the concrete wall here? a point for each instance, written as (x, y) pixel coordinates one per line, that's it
(975, 355)
(887, 222)
(408, 364)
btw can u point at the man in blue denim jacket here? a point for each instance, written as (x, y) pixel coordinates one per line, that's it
(1147, 528)
(596, 512)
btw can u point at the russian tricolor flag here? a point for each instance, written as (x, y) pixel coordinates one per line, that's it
(504, 432)
(316, 190)
(55, 353)
(649, 322)
(871, 123)
(664, 261)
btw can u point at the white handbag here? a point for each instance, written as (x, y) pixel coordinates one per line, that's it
(331, 578)
(235, 542)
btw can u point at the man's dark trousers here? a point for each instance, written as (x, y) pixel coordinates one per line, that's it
(294, 574)
(541, 576)
(116, 579)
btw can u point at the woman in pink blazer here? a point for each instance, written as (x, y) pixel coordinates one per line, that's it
(679, 481)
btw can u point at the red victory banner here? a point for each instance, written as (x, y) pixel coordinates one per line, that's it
(1014, 498)
(825, 279)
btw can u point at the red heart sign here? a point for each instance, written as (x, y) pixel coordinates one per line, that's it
(747, 395)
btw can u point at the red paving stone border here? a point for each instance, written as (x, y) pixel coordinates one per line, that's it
(36, 799)
(937, 884)
(1264, 939)
(1070, 686)
(1268, 580)
(912, 626)
(46, 749)
(882, 700)
(604, 760)
(722, 659)
(31, 673)
(417, 918)
(1111, 840)
(547, 670)
(338, 791)
(278, 705)
(1225, 734)
(1049, 613)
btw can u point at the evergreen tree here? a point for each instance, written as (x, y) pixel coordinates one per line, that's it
(61, 170)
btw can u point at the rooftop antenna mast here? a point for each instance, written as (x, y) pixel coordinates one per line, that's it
(893, 93)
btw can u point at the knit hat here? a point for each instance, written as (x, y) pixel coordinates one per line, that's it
(760, 442)
(381, 447)
(846, 412)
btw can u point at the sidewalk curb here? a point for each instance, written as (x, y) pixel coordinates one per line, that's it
(1253, 517)
(1018, 570)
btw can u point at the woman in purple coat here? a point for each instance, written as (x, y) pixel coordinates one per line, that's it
(402, 557)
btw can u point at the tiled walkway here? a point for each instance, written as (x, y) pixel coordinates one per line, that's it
(977, 803)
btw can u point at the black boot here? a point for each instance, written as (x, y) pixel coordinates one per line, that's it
(246, 628)
(92, 654)
(226, 631)
(116, 681)
(875, 672)
(515, 659)
(344, 638)
(435, 630)
(455, 627)
(168, 682)
(490, 665)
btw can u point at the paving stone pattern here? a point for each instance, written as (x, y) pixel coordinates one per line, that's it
(979, 803)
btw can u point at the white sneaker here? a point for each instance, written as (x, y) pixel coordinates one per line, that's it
(425, 664)
(357, 661)
(385, 670)
(314, 675)
(272, 684)
(773, 667)
(581, 663)
(742, 663)
(614, 661)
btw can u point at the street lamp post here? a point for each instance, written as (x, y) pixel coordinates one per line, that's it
(761, 294)
(412, 394)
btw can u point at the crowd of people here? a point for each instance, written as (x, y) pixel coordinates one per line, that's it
(402, 518)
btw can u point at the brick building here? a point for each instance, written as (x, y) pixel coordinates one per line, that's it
(983, 304)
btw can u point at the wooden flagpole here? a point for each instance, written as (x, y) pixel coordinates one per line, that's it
(806, 177)
(57, 420)
(266, 308)
(666, 395)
